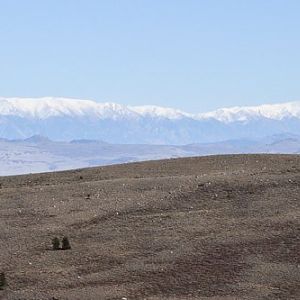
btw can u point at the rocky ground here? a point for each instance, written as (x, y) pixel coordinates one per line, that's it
(219, 227)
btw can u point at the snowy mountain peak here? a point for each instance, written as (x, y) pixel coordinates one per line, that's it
(242, 114)
(153, 111)
(43, 108)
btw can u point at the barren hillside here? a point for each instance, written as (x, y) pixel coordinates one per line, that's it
(218, 227)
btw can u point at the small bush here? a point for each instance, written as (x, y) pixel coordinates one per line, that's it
(2, 281)
(55, 244)
(65, 244)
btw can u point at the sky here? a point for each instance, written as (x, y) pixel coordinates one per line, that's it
(195, 55)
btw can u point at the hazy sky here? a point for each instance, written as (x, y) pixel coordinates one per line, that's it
(193, 55)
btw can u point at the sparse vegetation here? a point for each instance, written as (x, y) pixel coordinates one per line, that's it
(65, 244)
(2, 281)
(56, 244)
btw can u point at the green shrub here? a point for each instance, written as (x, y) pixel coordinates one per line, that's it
(2, 281)
(65, 244)
(55, 244)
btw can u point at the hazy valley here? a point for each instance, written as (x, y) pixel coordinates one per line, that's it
(39, 154)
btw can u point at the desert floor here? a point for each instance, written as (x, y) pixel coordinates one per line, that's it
(217, 227)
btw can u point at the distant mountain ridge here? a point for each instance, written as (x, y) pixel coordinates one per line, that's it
(40, 154)
(73, 119)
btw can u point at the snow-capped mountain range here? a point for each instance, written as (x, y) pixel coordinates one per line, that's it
(68, 119)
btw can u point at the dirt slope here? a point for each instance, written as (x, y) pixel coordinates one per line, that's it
(219, 227)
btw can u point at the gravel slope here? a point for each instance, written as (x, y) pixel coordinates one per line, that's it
(218, 227)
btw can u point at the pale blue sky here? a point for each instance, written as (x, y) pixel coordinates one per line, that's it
(193, 55)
